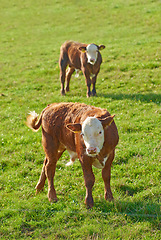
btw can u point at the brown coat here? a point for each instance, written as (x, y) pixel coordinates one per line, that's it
(74, 54)
(57, 121)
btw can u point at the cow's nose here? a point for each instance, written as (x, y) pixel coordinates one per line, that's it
(92, 150)
(92, 60)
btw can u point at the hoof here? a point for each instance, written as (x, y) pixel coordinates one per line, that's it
(63, 93)
(67, 90)
(53, 200)
(89, 206)
(94, 94)
(88, 93)
(109, 197)
(38, 190)
(89, 203)
(52, 196)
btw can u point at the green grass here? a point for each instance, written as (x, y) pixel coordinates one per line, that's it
(128, 85)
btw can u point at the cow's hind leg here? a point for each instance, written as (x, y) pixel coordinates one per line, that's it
(63, 64)
(41, 182)
(50, 172)
(106, 175)
(68, 77)
(50, 146)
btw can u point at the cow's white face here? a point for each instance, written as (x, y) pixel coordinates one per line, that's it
(92, 53)
(92, 130)
(93, 136)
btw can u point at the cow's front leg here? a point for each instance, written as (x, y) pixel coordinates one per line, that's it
(89, 180)
(88, 90)
(106, 175)
(93, 85)
(88, 80)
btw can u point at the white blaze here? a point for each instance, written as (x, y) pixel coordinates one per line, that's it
(93, 135)
(92, 53)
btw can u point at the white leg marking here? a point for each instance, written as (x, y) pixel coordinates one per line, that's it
(77, 73)
(73, 156)
(69, 163)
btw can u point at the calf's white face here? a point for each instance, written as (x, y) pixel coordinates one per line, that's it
(92, 130)
(92, 53)
(93, 136)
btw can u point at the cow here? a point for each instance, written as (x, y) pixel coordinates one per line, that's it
(79, 56)
(86, 132)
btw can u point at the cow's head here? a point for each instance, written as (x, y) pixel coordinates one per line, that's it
(92, 52)
(92, 131)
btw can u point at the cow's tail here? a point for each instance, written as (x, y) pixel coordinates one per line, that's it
(32, 121)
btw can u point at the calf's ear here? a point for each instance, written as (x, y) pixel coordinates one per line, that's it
(106, 121)
(74, 127)
(82, 49)
(101, 47)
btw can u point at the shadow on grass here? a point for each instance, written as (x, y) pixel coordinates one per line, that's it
(149, 97)
(136, 210)
(128, 190)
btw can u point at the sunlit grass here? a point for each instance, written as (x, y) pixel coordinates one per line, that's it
(128, 85)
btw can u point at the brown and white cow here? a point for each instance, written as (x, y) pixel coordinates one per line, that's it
(79, 56)
(86, 132)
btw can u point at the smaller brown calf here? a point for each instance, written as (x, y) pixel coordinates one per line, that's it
(79, 56)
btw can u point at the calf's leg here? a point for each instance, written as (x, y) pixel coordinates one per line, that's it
(62, 65)
(93, 85)
(106, 175)
(41, 182)
(68, 77)
(89, 180)
(50, 146)
(50, 172)
(88, 80)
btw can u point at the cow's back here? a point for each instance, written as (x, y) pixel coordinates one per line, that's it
(70, 46)
(57, 115)
(70, 50)
(60, 114)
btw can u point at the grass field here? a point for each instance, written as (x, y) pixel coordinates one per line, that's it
(128, 85)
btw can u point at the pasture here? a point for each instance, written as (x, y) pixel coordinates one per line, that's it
(128, 85)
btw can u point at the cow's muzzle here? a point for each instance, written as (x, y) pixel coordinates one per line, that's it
(92, 61)
(92, 151)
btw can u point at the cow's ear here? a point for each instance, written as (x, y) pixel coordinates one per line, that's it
(82, 49)
(74, 127)
(106, 121)
(101, 47)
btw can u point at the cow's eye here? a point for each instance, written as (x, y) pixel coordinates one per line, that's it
(100, 132)
(82, 134)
